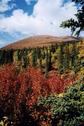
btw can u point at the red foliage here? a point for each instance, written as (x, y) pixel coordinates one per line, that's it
(30, 84)
(56, 84)
(8, 76)
(27, 85)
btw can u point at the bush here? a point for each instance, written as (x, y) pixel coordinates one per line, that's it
(20, 90)
(67, 110)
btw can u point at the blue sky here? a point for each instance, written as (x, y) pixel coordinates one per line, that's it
(23, 18)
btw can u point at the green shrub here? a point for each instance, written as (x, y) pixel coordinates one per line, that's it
(67, 110)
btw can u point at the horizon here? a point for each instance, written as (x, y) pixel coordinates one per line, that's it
(26, 18)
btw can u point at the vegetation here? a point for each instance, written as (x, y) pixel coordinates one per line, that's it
(65, 109)
(76, 25)
(37, 85)
(62, 58)
(19, 92)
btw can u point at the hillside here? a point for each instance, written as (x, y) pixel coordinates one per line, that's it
(40, 41)
(54, 53)
(38, 83)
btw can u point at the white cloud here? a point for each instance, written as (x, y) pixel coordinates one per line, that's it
(46, 19)
(4, 5)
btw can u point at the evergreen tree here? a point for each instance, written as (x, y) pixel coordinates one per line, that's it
(74, 57)
(34, 57)
(48, 60)
(76, 25)
(61, 58)
(46, 65)
(24, 58)
(67, 56)
(1, 57)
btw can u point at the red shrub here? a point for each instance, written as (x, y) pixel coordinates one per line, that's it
(19, 88)
(56, 84)
(8, 76)
(30, 84)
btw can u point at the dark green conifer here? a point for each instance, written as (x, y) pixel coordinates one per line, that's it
(61, 58)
